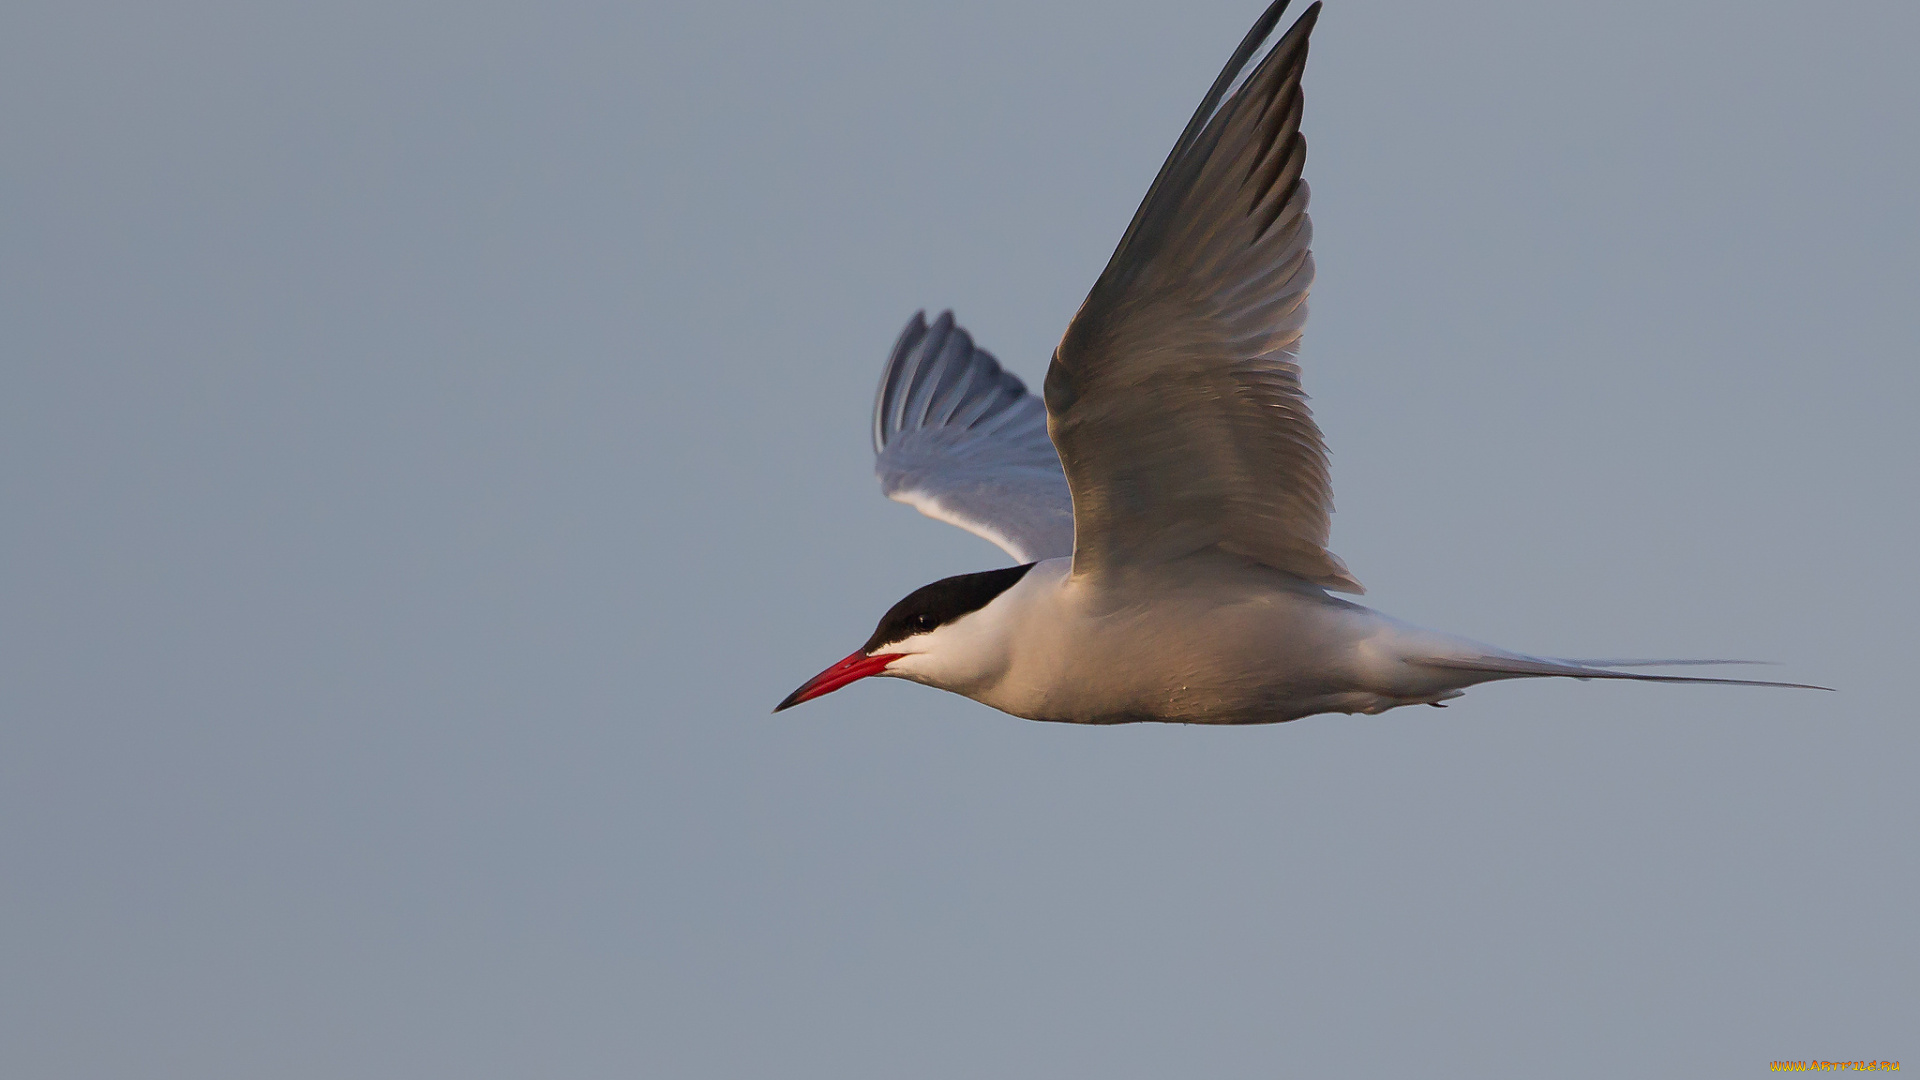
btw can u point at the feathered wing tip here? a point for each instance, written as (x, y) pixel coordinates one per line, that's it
(935, 377)
(1533, 667)
(1224, 86)
(958, 438)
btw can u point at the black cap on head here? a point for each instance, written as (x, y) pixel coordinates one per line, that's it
(935, 605)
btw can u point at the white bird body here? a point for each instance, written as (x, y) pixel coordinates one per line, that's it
(1171, 500)
(1208, 640)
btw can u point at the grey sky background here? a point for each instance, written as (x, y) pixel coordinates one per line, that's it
(432, 437)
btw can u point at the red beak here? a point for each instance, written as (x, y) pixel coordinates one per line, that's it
(853, 668)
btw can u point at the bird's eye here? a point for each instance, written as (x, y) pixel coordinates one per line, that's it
(923, 622)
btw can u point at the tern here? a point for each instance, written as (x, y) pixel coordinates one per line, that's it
(1169, 500)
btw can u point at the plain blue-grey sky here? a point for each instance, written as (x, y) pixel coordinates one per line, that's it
(433, 436)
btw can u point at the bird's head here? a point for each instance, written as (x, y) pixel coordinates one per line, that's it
(927, 637)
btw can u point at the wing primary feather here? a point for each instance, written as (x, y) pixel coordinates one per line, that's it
(884, 425)
(927, 358)
(939, 370)
(957, 392)
(1223, 85)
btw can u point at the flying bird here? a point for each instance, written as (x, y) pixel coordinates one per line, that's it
(1169, 501)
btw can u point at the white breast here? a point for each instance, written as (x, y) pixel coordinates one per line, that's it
(1206, 640)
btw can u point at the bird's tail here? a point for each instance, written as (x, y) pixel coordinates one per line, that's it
(1536, 667)
(1669, 663)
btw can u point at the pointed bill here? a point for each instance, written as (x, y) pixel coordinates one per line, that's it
(852, 669)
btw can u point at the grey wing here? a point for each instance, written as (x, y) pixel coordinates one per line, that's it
(960, 440)
(1173, 397)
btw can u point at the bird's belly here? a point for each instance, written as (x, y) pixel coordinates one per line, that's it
(1268, 661)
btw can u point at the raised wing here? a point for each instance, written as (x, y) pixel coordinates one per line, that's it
(1174, 398)
(959, 439)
